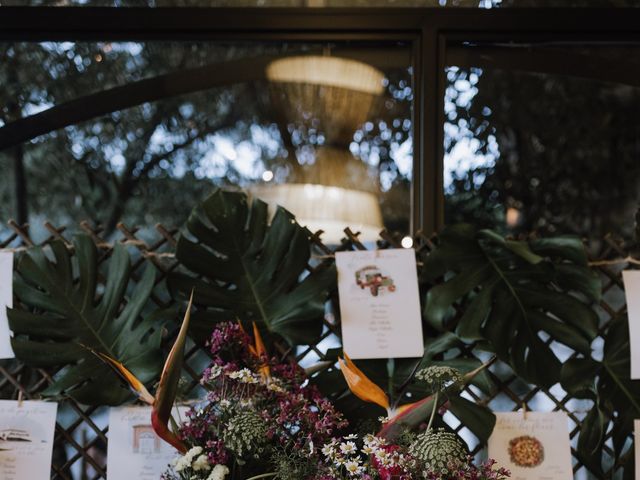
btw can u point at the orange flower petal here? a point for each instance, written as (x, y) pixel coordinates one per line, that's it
(360, 385)
(261, 352)
(129, 378)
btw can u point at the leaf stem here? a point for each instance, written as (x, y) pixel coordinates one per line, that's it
(617, 261)
(433, 410)
(622, 387)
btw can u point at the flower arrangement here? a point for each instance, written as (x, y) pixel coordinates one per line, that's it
(262, 418)
(259, 414)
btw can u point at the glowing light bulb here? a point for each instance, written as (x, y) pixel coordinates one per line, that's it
(407, 242)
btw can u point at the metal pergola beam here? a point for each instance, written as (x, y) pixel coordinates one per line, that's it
(429, 32)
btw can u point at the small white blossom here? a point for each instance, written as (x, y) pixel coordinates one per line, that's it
(245, 376)
(347, 448)
(218, 472)
(201, 463)
(185, 461)
(353, 467)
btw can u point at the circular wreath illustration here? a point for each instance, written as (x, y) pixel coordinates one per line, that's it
(526, 451)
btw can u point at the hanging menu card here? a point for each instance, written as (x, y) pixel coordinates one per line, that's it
(26, 439)
(636, 445)
(632, 292)
(134, 450)
(534, 445)
(6, 299)
(380, 304)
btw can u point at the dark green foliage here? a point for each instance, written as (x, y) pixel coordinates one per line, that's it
(65, 308)
(510, 292)
(616, 397)
(243, 268)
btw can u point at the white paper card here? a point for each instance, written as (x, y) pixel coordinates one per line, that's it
(134, 450)
(636, 444)
(380, 304)
(535, 447)
(632, 292)
(6, 300)
(26, 439)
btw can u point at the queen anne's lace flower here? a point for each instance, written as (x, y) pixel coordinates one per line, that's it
(438, 449)
(438, 377)
(245, 434)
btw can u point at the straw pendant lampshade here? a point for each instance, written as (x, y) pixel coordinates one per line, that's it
(331, 94)
(335, 192)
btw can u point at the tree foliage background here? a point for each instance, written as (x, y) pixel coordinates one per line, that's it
(151, 163)
(557, 148)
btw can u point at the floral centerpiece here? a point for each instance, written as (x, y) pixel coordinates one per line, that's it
(263, 418)
(259, 415)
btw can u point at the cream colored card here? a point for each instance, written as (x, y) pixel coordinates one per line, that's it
(6, 300)
(134, 450)
(636, 445)
(532, 446)
(380, 304)
(632, 292)
(26, 439)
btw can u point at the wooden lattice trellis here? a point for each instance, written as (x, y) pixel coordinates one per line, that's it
(82, 432)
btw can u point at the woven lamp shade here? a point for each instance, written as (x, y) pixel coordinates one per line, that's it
(330, 94)
(335, 192)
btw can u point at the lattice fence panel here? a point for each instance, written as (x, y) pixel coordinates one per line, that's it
(82, 432)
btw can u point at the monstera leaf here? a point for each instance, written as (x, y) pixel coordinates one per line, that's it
(240, 267)
(511, 292)
(69, 311)
(616, 397)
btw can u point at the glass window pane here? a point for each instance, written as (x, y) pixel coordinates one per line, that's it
(139, 132)
(543, 137)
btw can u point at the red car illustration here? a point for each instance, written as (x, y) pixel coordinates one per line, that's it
(372, 278)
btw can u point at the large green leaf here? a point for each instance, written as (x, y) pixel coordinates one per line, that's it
(65, 310)
(616, 397)
(511, 291)
(242, 267)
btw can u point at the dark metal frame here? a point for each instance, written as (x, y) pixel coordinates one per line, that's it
(429, 31)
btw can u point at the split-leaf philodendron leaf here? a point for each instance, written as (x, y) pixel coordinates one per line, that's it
(511, 292)
(65, 311)
(616, 397)
(242, 267)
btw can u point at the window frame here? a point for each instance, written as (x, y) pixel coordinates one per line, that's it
(429, 31)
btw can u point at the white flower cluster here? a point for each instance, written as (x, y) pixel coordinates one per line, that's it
(244, 376)
(195, 461)
(185, 461)
(345, 455)
(214, 372)
(274, 385)
(218, 472)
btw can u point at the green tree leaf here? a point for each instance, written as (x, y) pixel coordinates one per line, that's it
(480, 420)
(510, 292)
(65, 309)
(243, 268)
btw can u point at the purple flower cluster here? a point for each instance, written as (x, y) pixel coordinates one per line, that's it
(295, 414)
(470, 471)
